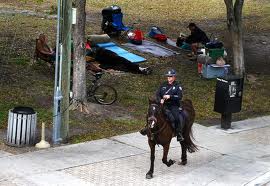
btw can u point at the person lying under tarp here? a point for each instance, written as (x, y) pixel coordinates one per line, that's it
(196, 38)
(43, 51)
(110, 60)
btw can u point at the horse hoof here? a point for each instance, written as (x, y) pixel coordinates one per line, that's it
(183, 162)
(149, 176)
(171, 162)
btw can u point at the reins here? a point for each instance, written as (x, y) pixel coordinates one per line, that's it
(153, 134)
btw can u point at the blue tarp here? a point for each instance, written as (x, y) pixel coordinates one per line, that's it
(121, 52)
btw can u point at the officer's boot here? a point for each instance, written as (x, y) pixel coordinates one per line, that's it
(178, 130)
(143, 131)
(179, 127)
(179, 135)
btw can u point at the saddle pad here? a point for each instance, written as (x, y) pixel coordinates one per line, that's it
(133, 58)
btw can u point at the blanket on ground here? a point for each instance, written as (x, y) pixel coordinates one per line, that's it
(153, 48)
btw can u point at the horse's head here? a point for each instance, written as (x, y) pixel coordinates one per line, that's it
(153, 112)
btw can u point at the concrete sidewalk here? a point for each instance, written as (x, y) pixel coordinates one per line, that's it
(239, 156)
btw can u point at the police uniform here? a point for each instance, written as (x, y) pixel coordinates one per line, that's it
(172, 105)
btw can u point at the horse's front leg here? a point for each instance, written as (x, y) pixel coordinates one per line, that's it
(165, 154)
(184, 153)
(149, 174)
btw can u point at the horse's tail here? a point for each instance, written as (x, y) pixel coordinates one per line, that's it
(188, 134)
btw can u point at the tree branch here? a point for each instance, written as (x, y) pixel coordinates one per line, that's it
(230, 13)
(238, 6)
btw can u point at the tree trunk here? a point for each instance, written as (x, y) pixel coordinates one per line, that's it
(238, 53)
(234, 22)
(79, 78)
(79, 81)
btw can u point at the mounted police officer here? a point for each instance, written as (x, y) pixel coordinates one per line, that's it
(169, 95)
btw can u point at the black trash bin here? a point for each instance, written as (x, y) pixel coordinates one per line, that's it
(21, 126)
(228, 98)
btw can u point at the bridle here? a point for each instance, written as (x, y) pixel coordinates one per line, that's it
(154, 120)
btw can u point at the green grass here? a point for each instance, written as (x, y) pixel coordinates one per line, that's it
(108, 128)
(32, 85)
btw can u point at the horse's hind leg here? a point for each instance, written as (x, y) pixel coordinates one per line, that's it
(149, 174)
(165, 154)
(184, 153)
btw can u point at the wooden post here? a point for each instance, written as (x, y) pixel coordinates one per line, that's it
(66, 40)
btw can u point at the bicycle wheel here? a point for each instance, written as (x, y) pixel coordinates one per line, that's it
(105, 94)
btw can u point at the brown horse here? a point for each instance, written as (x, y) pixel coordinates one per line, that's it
(159, 131)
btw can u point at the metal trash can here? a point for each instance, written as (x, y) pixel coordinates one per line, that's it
(21, 129)
(228, 98)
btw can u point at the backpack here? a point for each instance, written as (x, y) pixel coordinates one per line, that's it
(157, 34)
(160, 37)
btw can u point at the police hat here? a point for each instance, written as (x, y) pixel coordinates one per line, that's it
(171, 72)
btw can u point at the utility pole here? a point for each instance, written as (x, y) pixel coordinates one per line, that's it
(57, 80)
(66, 41)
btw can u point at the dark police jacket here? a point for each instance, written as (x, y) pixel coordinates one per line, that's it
(175, 92)
(197, 36)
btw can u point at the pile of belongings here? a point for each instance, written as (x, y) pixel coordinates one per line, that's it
(212, 53)
(211, 60)
(181, 42)
(157, 34)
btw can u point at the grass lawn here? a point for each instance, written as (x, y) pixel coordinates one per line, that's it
(32, 85)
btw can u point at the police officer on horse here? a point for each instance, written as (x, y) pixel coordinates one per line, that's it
(169, 95)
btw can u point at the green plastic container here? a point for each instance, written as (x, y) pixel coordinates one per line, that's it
(215, 53)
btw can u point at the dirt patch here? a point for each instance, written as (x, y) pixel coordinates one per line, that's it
(109, 111)
(257, 56)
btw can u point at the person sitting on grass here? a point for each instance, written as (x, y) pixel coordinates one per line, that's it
(43, 51)
(196, 38)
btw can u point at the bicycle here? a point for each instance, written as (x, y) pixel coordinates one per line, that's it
(102, 93)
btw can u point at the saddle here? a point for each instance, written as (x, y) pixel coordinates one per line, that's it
(183, 115)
